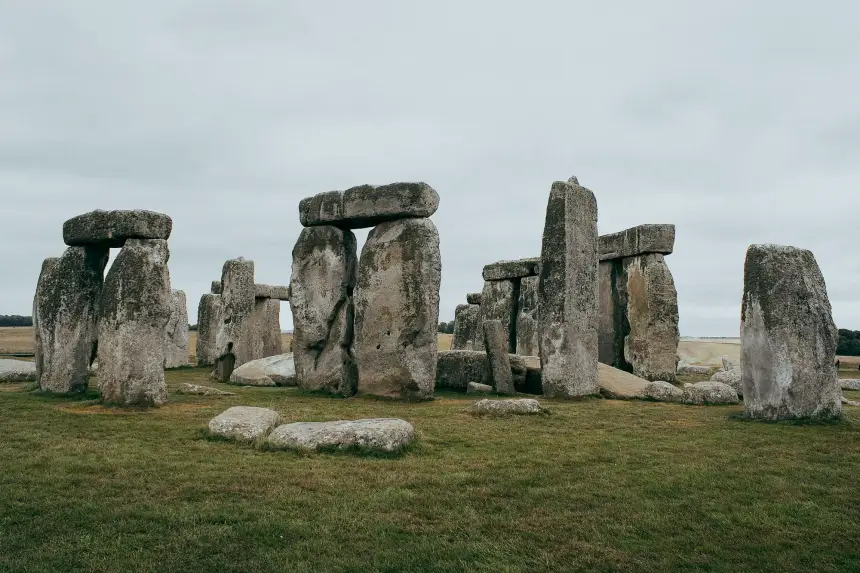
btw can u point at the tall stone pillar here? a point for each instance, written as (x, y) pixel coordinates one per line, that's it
(176, 333)
(208, 322)
(527, 325)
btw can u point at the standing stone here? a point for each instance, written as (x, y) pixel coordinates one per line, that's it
(467, 319)
(323, 279)
(788, 338)
(612, 322)
(652, 313)
(499, 302)
(527, 326)
(497, 353)
(133, 315)
(271, 330)
(397, 310)
(237, 307)
(208, 323)
(65, 311)
(567, 293)
(176, 333)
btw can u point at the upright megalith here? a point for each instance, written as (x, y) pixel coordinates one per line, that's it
(527, 325)
(238, 297)
(321, 300)
(176, 333)
(567, 293)
(208, 323)
(499, 302)
(788, 338)
(397, 310)
(134, 311)
(496, 346)
(467, 327)
(65, 311)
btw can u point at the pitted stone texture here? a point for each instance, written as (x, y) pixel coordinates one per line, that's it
(620, 385)
(270, 371)
(250, 374)
(457, 368)
(65, 318)
(697, 370)
(281, 293)
(473, 298)
(467, 327)
(850, 384)
(663, 392)
(527, 325)
(197, 390)
(324, 274)
(727, 364)
(731, 378)
(176, 333)
(504, 407)
(788, 338)
(268, 313)
(476, 388)
(497, 353)
(640, 240)
(244, 423)
(397, 310)
(612, 306)
(369, 205)
(499, 302)
(133, 315)
(567, 293)
(238, 324)
(652, 313)
(376, 434)
(17, 371)
(208, 322)
(503, 270)
(111, 229)
(263, 291)
(709, 393)
(216, 287)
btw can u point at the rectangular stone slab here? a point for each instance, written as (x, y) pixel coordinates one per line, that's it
(369, 205)
(639, 240)
(473, 298)
(113, 228)
(502, 270)
(262, 291)
(281, 293)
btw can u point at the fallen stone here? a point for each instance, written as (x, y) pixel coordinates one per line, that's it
(111, 229)
(731, 378)
(503, 270)
(397, 310)
(196, 390)
(473, 298)
(467, 327)
(250, 374)
(503, 407)
(244, 423)
(697, 370)
(640, 240)
(848, 402)
(709, 393)
(323, 279)
(477, 388)
(208, 322)
(527, 324)
(176, 332)
(788, 338)
(133, 314)
(619, 385)
(663, 392)
(369, 205)
(499, 302)
(375, 434)
(17, 371)
(567, 293)
(497, 352)
(277, 370)
(850, 384)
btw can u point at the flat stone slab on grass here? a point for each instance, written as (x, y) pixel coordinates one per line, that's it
(618, 384)
(244, 423)
(279, 370)
(478, 388)
(376, 434)
(850, 384)
(113, 228)
(698, 370)
(503, 407)
(709, 393)
(197, 390)
(731, 378)
(663, 392)
(17, 371)
(369, 205)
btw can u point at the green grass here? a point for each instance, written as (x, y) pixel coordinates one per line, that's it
(599, 485)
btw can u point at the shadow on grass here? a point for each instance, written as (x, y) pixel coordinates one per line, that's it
(839, 421)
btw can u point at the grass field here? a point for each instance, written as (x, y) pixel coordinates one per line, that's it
(597, 485)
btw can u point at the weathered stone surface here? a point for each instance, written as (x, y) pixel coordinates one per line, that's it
(133, 315)
(208, 322)
(527, 325)
(456, 368)
(224, 365)
(197, 390)
(709, 393)
(499, 302)
(640, 240)
(652, 313)
(376, 434)
(263, 291)
(281, 293)
(497, 352)
(397, 310)
(731, 378)
(503, 270)
(369, 205)
(503, 407)
(467, 328)
(17, 371)
(620, 385)
(268, 312)
(727, 364)
(788, 338)
(612, 327)
(176, 333)
(473, 298)
(477, 388)
(244, 423)
(323, 279)
(216, 287)
(567, 293)
(238, 325)
(848, 402)
(850, 384)
(111, 229)
(250, 374)
(697, 370)
(65, 321)
(663, 392)
(277, 370)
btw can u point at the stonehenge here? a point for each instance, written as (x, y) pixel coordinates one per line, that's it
(788, 338)
(176, 333)
(367, 324)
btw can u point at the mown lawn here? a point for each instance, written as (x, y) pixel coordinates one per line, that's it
(598, 485)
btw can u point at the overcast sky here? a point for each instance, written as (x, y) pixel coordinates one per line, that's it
(737, 121)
